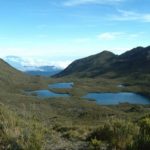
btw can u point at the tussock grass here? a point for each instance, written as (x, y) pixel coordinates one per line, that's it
(17, 133)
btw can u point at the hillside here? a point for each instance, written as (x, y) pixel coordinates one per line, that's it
(10, 77)
(134, 61)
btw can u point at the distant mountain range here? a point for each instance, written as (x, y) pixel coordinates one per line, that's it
(135, 61)
(22, 65)
(43, 70)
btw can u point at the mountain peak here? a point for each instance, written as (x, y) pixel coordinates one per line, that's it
(106, 52)
(89, 64)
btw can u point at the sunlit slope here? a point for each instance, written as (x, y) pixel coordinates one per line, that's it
(10, 76)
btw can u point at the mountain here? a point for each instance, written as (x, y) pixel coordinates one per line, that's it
(32, 67)
(105, 63)
(136, 60)
(43, 70)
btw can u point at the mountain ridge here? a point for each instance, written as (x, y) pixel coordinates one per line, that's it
(136, 60)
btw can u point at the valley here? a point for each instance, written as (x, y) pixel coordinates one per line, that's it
(69, 123)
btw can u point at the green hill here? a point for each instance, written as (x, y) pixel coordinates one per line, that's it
(10, 78)
(6, 71)
(105, 63)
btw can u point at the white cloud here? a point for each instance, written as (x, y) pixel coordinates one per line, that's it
(83, 2)
(21, 62)
(117, 35)
(110, 35)
(131, 16)
(42, 62)
(61, 64)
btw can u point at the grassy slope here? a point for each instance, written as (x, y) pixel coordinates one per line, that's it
(64, 123)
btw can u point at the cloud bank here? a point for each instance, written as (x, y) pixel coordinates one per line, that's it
(21, 62)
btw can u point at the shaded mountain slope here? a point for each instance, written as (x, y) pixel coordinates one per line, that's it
(136, 60)
(89, 66)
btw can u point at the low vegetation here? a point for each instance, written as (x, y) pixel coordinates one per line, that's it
(17, 132)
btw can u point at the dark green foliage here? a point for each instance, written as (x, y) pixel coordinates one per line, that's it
(142, 141)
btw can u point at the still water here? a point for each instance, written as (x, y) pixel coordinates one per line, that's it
(61, 85)
(47, 94)
(116, 98)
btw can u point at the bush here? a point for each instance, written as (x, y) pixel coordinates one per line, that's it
(97, 145)
(142, 141)
(118, 134)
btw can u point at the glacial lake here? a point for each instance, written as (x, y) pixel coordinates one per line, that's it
(99, 98)
(116, 98)
(61, 85)
(47, 94)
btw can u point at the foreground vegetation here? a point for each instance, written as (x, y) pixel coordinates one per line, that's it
(18, 132)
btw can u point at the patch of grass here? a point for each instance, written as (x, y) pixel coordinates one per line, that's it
(16, 133)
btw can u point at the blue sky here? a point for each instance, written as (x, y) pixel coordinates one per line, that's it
(64, 30)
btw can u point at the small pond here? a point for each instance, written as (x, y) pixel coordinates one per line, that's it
(47, 94)
(116, 98)
(61, 85)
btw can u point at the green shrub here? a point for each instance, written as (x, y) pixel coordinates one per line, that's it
(142, 141)
(97, 145)
(117, 134)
